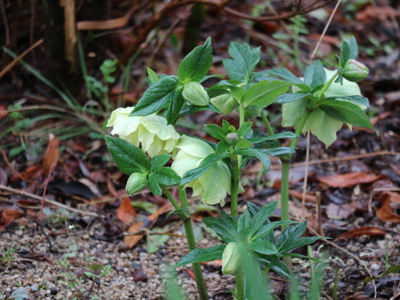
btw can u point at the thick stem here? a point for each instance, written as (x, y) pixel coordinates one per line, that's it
(285, 183)
(201, 285)
(240, 294)
(235, 186)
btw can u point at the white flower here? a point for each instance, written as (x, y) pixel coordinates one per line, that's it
(150, 132)
(231, 258)
(215, 183)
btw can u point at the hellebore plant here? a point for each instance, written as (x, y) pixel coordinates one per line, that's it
(321, 103)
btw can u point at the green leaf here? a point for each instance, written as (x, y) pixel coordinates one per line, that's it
(245, 128)
(299, 242)
(344, 54)
(278, 151)
(167, 176)
(266, 229)
(286, 75)
(275, 264)
(287, 98)
(159, 161)
(175, 106)
(261, 216)
(353, 48)
(196, 64)
(243, 61)
(222, 147)
(346, 112)
(201, 255)
(215, 131)
(152, 76)
(277, 136)
(243, 224)
(153, 184)
(202, 168)
(263, 247)
(356, 99)
(129, 158)
(314, 75)
(156, 97)
(264, 93)
(225, 228)
(257, 153)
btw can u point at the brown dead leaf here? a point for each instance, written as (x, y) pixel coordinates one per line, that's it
(365, 230)
(51, 156)
(31, 173)
(385, 212)
(148, 223)
(349, 179)
(126, 212)
(8, 216)
(381, 13)
(299, 195)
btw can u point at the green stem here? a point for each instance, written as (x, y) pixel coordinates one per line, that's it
(170, 197)
(201, 285)
(235, 185)
(285, 183)
(327, 85)
(240, 295)
(266, 123)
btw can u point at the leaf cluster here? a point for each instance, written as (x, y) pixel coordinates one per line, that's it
(254, 233)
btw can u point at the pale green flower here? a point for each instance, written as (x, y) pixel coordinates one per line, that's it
(151, 132)
(215, 183)
(320, 124)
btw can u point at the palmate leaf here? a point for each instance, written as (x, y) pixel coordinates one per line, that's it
(275, 264)
(264, 93)
(243, 61)
(201, 255)
(356, 99)
(159, 161)
(263, 247)
(261, 216)
(346, 112)
(167, 176)
(274, 137)
(257, 153)
(156, 97)
(314, 75)
(225, 227)
(175, 106)
(196, 64)
(129, 158)
(286, 75)
(287, 98)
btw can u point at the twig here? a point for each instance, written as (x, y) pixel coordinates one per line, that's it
(27, 194)
(325, 29)
(159, 16)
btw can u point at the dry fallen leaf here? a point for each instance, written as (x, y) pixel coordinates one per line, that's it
(126, 212)
(148, 223)
(51, 156)
(365, 230)
(349, 179)
(8, 216)
(385, 212)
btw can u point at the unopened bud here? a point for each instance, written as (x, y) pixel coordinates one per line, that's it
(354, 70)
(194, 93)
(231, 258)
(136, 182)
(232, 138)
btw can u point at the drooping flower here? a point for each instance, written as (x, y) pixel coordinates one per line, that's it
(318, 122)
(214, 185)
(151, 133)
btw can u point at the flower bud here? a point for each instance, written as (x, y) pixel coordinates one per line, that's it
(225, 103)
(232, 138)
(231, 258)
(136, 182)
(354, 70)
(194, 93)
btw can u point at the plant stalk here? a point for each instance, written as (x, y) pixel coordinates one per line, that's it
(201, 284)
(327, 84)
(235, 186)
